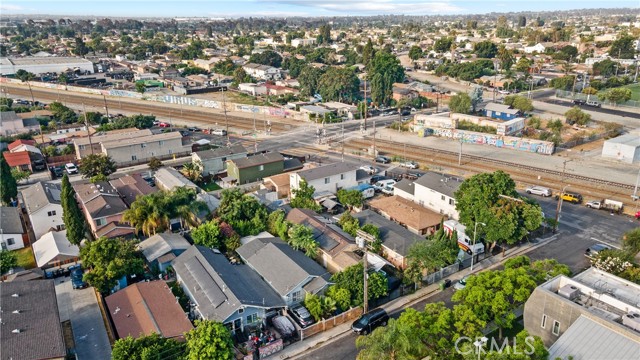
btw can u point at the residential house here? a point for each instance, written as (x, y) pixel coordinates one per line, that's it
(233, 294)
(168, 178)
(416, 218)
(54, 249)
(31, 327)
(11, 235)
(93, 145)
(256, 167)
(396, 240)
(12, 124)
(289, 272)
(277, 183)
(207, 64)
(402, 93)
(435, 191)
(297, 42)
(574, 316)
(501, 111)
(539, 48)
(103, 208)
(161, 249)
(18, 160)
(341, 108)
(253, 89)
(262, 72)
(131, 186)
(337, 248)
(42, 202)
(214, 161)
(21, 145)
(276, 90)
(147, 308)
(144, 148)
(326, 178)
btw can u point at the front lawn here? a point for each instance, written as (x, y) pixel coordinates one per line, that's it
(25, 258)
(635, 91)
(210, 186)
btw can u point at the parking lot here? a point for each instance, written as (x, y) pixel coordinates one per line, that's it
(81, 307)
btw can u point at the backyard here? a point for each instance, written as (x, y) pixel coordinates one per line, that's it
(25, 258)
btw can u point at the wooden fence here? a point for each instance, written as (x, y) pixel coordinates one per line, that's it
(326, 324)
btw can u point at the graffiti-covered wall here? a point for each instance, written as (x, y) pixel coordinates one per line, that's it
(509, 142)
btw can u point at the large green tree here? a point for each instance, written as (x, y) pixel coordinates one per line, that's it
(8, 261)
(269, 57)
(616, 95)
(491, 198)
(339, 84)
(244, 213)
(72, 216)
(383, 71)
(460, 103)
(147, 348)
(622, 48)
(415, 52)
(209, 340)
(485, 49)
(97, 167)
(352, 279)
(303, 197)
(309, 80)
(108, 260)
(350, 198)
(429, 255)
(209, 235)
(631, 241)
(8, 185)
(576, 115)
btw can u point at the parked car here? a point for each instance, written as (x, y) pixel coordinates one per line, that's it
(149, 181)
(195, 129)
(284, 326)
(539, 190)
(302, 316)
(368, 322)
(376, 178)
(378, 186)
(71, 168)
(593, 104)
(579, 102)
(462, 283)
(39, 164)
(369, 169)
(388, 190)
(57, 171)
(219, 132)
(76, 278)
(596, 249)
(573, 198)
(164, 125)
(409, 164)
(184, 133)
(382, 159)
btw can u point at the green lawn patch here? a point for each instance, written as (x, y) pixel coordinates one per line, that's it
(25, 258)
(211, 186)
(635, 91)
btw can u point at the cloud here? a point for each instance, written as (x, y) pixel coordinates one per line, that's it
(10, 7)
(376, 6)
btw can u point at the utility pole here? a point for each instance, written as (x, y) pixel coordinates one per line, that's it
(226, 120)
(342, 140)
(374, 139)
(86, 124)
(33, 100)
(363, 239)
(365, 104)
(460, 154)
(106, 109)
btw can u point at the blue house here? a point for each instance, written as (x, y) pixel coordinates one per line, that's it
(289, 272)
(161, 249)
(501, 111)
(233, 294)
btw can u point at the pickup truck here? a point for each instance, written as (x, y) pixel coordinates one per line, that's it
(606, 204)
(593, 104)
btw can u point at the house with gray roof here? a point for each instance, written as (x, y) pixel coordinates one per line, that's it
(169, 178)
(103, 208)
(161, 249)
(256, 167)
(435, 191)
(214, 161)
(12, 229)
(31, 327)
(42, 202)
(327, 178)
(501, 111)
(396, 240)
(233, 294)
(289, 272)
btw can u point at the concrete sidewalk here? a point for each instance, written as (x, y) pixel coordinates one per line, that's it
(298, 349)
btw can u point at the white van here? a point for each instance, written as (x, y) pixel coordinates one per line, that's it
(383, 184)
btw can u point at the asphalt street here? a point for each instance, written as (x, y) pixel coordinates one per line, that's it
(580, 227)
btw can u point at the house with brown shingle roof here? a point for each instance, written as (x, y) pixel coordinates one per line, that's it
(103, 208)
(145, 308)
(416, 218)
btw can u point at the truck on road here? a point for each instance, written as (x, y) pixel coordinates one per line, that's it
(606, 204)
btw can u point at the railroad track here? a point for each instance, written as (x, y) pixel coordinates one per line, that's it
(202, 116)
(524, 174)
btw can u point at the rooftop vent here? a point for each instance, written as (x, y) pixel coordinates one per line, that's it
(569, 291)
(16, 311)
(15, 295)
(16, 331)
(632, 321)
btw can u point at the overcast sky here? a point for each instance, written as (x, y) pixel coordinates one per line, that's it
(280, 8)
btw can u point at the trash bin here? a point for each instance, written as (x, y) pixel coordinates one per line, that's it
(447, 283)
(442, 285)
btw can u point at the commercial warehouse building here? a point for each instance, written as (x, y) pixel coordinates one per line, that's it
(44, 64)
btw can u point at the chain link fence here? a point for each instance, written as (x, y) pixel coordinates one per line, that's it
(580, 96)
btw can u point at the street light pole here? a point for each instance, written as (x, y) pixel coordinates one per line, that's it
(473, 247)
(559, 207)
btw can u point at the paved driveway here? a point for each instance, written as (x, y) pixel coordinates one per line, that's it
(81, 307)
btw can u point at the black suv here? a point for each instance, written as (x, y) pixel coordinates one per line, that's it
(579, 102)
(382, 159)
(368, 322)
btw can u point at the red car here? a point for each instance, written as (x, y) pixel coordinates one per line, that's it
(638, 215)
(164, 125)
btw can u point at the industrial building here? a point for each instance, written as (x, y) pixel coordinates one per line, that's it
(625, 148)
(44, 64)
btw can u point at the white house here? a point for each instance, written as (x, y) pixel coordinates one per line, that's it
(214, 161)
(432, 190)
(539, 48)
(11, 230)
(302, 42)
(42, 201)
(253, 89)
(54, 249)
(327, 178)
(263, 72)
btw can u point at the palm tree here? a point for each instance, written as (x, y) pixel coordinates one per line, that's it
(147, 214)
(192, 171)
(506, 57)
